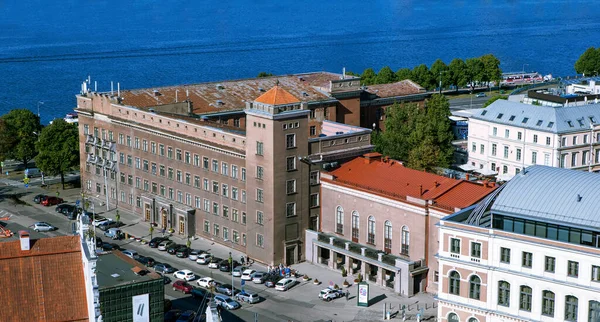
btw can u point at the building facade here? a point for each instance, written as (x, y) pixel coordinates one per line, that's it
(379, 218)
(252, 185)
(530, 251)
(506, 137)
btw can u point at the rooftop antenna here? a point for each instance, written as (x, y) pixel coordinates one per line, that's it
(111, 88)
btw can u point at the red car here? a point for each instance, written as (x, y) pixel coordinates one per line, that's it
(182, 286)
(51, 201)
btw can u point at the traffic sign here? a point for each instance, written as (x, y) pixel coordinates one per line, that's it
(26, 185)
(77, 202)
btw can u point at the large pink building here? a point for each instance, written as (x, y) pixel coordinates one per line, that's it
(379, 218)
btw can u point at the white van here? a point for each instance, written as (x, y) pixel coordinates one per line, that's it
(33, 172)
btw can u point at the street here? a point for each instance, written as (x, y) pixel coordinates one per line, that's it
(466, 103)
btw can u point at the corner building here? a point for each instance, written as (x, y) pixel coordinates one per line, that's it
(530, 251)
(252, 185)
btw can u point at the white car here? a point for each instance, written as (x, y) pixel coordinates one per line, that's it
(285, 284)
(213, 264)
(204, 258)
(185, 274)
(205, 282)
(194, 253)
(237, 272)
(43, 226)
(247, 274)
(99, 220)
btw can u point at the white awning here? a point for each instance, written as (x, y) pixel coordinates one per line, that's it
(504, 177)
(467, 167)
(486, 172)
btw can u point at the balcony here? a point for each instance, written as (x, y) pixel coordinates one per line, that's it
(90, 139)
(91, 158)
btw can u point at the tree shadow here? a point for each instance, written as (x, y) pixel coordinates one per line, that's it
(377, 299)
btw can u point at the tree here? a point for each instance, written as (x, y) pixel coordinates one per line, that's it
(385, 76)
(264, 74)
(58, 148)
(493, 99)
(458, 73)
(491, 69)
(368, 76)
(439, 71)
(422, 76)
(399, 123)
(438, 118)
(588, 62)
(424, 157)
(474, 70)
(19, 133)
(403, 73)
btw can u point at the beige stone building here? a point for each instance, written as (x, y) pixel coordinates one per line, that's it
(379, 218)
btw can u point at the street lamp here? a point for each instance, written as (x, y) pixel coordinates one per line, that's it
(441, 71)
(231, 266)
(38, 106)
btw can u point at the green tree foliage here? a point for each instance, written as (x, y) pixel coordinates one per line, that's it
(589, 62)
(474, 70)
(439, 70)
(491, 69)
(403, 73)
(422, 76)
(58, 149)
(368, 77)
(18, 133)
(493, 99)
(385, 76)
(420, 136)
(264, 74)
(458, 73)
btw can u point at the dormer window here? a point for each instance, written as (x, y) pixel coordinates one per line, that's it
(500, 115)
(512, 118)
(525, 120)
(539, 123)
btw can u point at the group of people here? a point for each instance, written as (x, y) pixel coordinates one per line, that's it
(280, 270)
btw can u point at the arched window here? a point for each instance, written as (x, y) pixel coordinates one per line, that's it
(371, 227)
(387, 235)
(405, 240)
(473, 320)
(474, 287)
(504, 293)
(454, 283)
(355, 225)
(452, 317)
(548, 303)
(339, 220)
(594, 311)
(525, 298)
(571, 307)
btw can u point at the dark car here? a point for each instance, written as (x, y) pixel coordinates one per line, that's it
(173, 248)
(200, 293)
(99, 242)
(172, 315)
(38, 198)
(64, 208)
(147, 261)
(73, 214)
(226, 289)
(182, 252)
(272, 280)
(156, 240)
(182, 286)
(108, 224)
(166, 279)
(107, 247)
(164, 268)
(225, 267)
(186, 316)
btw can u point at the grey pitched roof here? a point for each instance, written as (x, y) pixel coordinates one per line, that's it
(541, 118)
(552, 195)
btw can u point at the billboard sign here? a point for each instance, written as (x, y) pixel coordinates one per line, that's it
(363, 294)
(141, 308)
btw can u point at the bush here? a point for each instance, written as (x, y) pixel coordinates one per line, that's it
(344, 273)
(336, 287)
(359, 278)
(346, 283)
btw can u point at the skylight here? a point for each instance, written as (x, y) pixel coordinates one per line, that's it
(500, 115)
(580, 122)
(592, 119)
(570, 123)
(539, 123)
(512, 118)
(550, 124)
(525, 119)
(484, 112)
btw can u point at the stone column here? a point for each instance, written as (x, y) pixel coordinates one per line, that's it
(397, 284)
(349, 265)
(332, 259)
(363, 270)
(380, 275)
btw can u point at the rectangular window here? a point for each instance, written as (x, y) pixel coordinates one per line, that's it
(259, 195)
(234, 171)
(225, 190)
(216, 230)
(482, 149)
(314, 177)
(215, 209)
(291, 163)
(290, 209)
(494, 149)
(179, 196)
(170, 174)
(154, 188)
(215, 187)
(518, 154)
(137, 143)
(290, 186)
(504, 255)
(162, 190)
(313, 130)
(146, 165)
(455, 245)
(495, 131)
(534, 157)
(574, 159)
(259, 148)
(243, 196)
(290, 141)
(259, 172)
(243, 217)
(188, 158)
(314, 200)
(188, 179)
(474, 147)
(526, 259)
(224, 169)
(234, 215)
(178, 154)
(547, 140)
(205, 163)
(507, 133)
(196, 160)
(215, 166)
(234, 193)
(206, 226)
(225, 233)
(549, 264)
(519, 136)
(573, 269)
(535, 138)
(505, 152)
(171, 194)
(206, 205)
(475, 250)
(225, 211)
(595, 273)
(236, 237)
(205, 184)
(145, 146)
(259, 217)
(197, 182)
(244, 174)
(179, 176)
(259, 240)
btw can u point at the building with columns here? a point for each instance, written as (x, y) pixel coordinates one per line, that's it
(530, 251)
(379, 218)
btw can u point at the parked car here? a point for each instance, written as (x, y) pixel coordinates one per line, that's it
(329, 294)
(204, 259)
(113, 233)
(248, 297)
(147, 261)
(98, 241)
(130, 253)
(224, 266)
(205, 282)
(107, 247)
(165, 244)
(225, 289)
(43, 226)
(108, 224)
(185, 274)
(247, 274)
(172, 315)
(98, 220)
(64, 208)
(182, 286)
(51, 201)
(39, 198)
(182, 252)
(237, 271)
(199, 293)
(166, 279)
(173, 248)
(164, 268)
(285, 284)
(259, 277)
(156, 240)
(214, 262)
(226, 302)
(271, 280)
(480, 95)
(186, 316)
(194, 253)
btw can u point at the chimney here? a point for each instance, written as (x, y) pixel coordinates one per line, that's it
(467, 177)
(371, 157)
(24, 237)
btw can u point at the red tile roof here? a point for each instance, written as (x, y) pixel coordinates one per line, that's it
(277, 96)
(45, 283)
(392, 179)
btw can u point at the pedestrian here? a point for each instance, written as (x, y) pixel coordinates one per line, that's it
(347, 295)
(163, 231)
(242, 260)
(248, 259)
